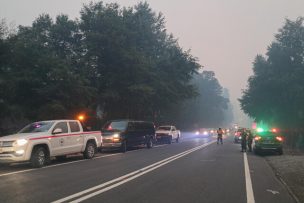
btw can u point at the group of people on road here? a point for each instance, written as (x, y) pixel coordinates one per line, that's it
(247, 138)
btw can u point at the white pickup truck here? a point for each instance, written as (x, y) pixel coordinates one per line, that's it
(39, 141)
(167, 133)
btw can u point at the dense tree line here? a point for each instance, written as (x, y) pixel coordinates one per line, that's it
(118, 62)
(275, 93)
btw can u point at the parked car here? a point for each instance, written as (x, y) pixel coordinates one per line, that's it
(39, 141)
(121, 134)
(237, 136)
(268, 141)
(167, 133)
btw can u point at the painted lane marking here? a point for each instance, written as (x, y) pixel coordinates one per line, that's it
(273, 191)
(249, 190)
(96, 190)
(51, 166)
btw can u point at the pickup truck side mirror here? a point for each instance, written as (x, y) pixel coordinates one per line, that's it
(57, 131)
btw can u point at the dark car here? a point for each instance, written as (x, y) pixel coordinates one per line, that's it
(268, 141)
(121, 134)
(237, 136)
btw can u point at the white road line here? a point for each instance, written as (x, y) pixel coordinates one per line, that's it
(126, 178)
(55, 165)
(249, 190)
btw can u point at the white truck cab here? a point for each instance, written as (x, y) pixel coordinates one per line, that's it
(167, 133)
(39, 141)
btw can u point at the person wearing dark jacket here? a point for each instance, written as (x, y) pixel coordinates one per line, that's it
(249, 140)
(244, 140)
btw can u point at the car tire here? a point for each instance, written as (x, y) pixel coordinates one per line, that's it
(280, 151)
(177, 139)
(150, 143)
(90, 150)
(169, 140)
(123, 147)
(39, 157)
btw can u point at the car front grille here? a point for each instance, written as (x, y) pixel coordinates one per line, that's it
(6, 143)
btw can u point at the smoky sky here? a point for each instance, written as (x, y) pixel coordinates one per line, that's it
(225, 35)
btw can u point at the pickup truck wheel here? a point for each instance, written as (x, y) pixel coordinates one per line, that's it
(170, 140)
(39, 157)
(123, 147)
(150, 143)
(89, 151)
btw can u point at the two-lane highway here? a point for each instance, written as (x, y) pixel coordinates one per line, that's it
(194, 170)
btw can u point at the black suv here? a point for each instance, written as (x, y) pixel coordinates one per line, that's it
(121, 134)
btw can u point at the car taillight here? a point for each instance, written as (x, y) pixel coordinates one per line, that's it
(257, 138)
(279, 138)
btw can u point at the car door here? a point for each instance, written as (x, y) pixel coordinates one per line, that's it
(76, 139)
(58, 141)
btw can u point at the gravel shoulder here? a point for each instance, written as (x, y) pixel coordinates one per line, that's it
(290, 169)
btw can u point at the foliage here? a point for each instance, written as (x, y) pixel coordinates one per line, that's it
(275, 92)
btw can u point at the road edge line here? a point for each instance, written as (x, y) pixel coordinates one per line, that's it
(249, 189)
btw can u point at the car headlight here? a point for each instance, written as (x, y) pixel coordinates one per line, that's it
(116, 135)
(21, 142)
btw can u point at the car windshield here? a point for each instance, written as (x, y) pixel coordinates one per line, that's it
(37, 127)
(164, 128)
(115, 126)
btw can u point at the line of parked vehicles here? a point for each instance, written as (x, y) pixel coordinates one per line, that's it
(38, 142)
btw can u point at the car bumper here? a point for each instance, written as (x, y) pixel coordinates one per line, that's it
(162, 137)
(268, 147)
(111, 145)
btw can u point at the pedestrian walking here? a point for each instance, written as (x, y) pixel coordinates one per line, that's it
(244, 140)
(220, 136)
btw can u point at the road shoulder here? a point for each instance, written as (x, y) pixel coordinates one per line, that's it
(290, 170)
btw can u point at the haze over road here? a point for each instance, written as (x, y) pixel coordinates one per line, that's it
(194, 170)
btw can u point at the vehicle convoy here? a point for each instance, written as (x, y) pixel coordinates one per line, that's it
(121, 134)
(39, 141)
(167, 133)
(267, 141)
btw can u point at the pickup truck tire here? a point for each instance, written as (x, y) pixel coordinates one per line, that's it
(169, 141)
(150, 143)
(39, 157)
(123, 147)
(90, 150)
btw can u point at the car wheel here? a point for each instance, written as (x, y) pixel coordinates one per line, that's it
(280, 151)
(123, 147)
(150, 143)
(177, 139)
(170, 140)
(90, 150)
(39, 157)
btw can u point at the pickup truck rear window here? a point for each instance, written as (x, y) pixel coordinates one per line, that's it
(74, 126)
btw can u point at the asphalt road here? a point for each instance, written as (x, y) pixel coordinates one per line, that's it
(194, 170)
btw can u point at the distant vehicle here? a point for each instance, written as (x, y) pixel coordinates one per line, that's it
(205, 132)
(121, 134)
(267, 141)
(167, 133)
(39, 141)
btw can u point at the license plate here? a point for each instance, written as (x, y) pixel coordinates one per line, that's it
(268, 142)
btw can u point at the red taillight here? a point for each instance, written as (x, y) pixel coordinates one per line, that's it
(257, 138)
(279, 138)
(274, 130)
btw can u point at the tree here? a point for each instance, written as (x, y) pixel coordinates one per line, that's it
(275, 92)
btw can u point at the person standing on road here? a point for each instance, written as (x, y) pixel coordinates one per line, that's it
(220, 136)
(249, 140)
(244, 139)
